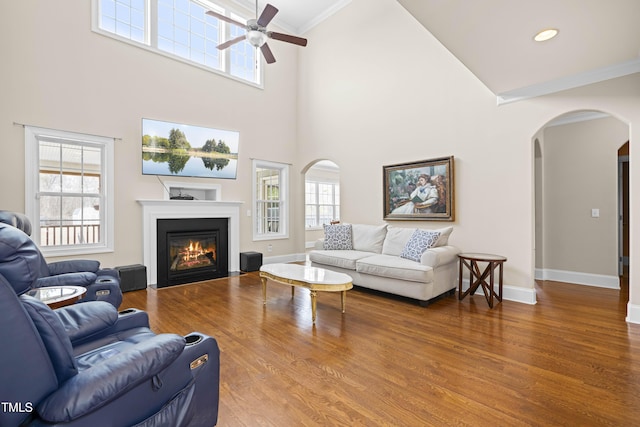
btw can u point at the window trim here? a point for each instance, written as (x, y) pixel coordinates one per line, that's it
(283, 169)
(32, 137)
(151, 45)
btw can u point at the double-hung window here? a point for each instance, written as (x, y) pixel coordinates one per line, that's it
(180, 29)
(69, 190)
(322, 203)
(270, 195)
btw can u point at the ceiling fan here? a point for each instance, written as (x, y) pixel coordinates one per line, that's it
(257, 33)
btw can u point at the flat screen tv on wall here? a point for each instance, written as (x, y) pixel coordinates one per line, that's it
(183, 150)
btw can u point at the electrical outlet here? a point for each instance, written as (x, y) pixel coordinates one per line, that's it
(269, 248)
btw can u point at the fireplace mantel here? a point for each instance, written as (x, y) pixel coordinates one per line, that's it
(152, 210)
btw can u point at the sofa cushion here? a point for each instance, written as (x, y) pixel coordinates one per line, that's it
(420, 241)
(443, 240)
(395, 267)
(368, 238)
(337, 258)
(397, 238)
(338, 237)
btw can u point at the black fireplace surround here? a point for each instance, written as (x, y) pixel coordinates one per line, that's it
(191, 250)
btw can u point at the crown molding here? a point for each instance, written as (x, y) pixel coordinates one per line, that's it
(582, 79)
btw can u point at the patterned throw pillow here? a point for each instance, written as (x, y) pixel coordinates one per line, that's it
(420, 241)
(338, 237)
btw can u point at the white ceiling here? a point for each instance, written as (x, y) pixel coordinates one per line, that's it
(598, 40)
(297, 16)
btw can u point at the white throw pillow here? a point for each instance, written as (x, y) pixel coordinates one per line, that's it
(338, 237)
(420, 241)
(443, 240)
(397, 238)
(368, 238)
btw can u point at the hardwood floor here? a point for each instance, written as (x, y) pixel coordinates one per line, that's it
(569, 360)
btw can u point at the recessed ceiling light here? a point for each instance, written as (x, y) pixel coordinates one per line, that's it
(545, 35)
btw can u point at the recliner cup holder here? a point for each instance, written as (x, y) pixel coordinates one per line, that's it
(127, 311)
(192, 339)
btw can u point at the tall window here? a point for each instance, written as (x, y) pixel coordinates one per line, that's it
(322, 203)
(69, 187)
(270, 194)
(180, 29)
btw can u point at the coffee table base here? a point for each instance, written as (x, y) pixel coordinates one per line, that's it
(313, 278)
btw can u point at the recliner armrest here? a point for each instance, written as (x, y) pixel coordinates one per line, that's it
(441, 255)
(68, 279)
(73, 266)
(94, 387)
(83, 320)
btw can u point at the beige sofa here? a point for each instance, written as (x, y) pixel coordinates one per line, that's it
(375, 261)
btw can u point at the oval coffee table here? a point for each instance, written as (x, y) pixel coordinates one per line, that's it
(313, 278)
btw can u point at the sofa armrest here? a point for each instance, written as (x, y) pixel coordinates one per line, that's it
(319, 244)
(441, 255)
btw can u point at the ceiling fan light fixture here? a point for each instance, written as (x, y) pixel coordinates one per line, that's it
(256, 38)
(546, 34)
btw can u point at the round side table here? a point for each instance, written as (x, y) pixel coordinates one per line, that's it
(58, 296)
(478, 277)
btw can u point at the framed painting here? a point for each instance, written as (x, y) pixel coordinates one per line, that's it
(419, 190)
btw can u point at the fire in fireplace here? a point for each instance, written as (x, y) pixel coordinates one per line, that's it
(191, 250)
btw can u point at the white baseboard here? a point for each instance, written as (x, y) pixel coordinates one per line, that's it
(633, 313)
(588, 279)
(285, 258)
(509, 293)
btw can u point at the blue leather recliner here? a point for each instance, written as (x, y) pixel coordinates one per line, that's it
(89, 365)
(102, 284)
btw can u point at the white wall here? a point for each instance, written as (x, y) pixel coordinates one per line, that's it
(57, 73)
(373, 95)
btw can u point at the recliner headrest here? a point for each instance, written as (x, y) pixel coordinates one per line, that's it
(20, 259)
(18, 220)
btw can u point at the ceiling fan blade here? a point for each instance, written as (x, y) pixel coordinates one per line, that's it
(231, 42)
(225, 18)
(287, 38)
(267, 15)
(268, 55)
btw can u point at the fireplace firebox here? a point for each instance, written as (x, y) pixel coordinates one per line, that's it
(191, 250)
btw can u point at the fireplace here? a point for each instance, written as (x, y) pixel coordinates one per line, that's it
(191, 250)
(155, 210)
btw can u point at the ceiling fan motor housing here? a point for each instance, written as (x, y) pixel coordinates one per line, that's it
(256, 35)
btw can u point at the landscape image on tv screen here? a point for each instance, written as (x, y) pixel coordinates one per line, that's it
(184, 150)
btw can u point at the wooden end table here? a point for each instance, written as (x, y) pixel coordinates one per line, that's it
(313, 278)
(58, 296)
(478, 277)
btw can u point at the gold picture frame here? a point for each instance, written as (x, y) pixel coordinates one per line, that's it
(420, 190)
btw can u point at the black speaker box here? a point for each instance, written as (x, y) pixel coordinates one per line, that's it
(132, 277)
(250, 261)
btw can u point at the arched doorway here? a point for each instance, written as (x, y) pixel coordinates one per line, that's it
(577, 199)
(322, 198)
